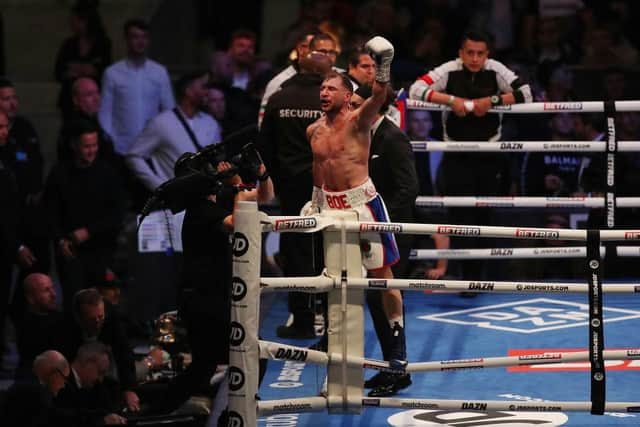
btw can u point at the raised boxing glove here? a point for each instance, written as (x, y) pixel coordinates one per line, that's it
(381, 50)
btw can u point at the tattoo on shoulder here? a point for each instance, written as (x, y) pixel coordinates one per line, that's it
(314, 129)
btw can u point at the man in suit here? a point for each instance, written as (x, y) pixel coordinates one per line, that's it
(33, 403)
(96, 320)
(84, 391)
(392, 170)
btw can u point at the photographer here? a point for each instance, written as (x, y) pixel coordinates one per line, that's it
(204, 303)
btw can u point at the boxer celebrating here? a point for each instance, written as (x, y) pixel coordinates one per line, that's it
(340, 143)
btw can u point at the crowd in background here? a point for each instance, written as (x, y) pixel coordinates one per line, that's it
(127, 120)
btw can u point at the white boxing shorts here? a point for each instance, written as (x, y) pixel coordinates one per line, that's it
(378, 249)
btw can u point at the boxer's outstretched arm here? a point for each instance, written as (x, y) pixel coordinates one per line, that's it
(381, 50)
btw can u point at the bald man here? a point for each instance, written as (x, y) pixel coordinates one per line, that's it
(286, 152)
(39, 328)
(85, 97)
(51, 369)
(32, 403)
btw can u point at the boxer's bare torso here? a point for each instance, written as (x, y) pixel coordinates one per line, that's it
(340, 143)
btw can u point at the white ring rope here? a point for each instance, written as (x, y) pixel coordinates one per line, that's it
(517, 253)
(523, 202)
(489, 286)
(306, 284)
(277, 351)
(320, 404)
(309, 224)
(521, 146)
(538, 107)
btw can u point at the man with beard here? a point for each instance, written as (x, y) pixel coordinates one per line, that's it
(340, 144)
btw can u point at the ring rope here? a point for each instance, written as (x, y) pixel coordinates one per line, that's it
(523, 202)
(281, 284)
(317, 222)
(278, 351)
(538, 107)
(518, 253)
(320, 404)
(520, 146)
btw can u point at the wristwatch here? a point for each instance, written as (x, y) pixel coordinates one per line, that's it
(496, 100)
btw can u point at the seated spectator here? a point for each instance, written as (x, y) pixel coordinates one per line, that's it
(32, 403)
(40, 327)
(85, 99)
(85, 204)
(84, 386)
(85, 54)
(95, 320)
(167, 136)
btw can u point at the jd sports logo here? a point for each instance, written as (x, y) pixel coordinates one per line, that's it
(426, 418)
(237, 334)
(238, 289)
(236, 378)
(240, 244)
(234, 420)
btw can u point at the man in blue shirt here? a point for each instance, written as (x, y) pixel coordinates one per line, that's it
(134, 89)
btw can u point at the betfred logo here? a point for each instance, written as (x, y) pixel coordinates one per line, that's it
(537, 234)
(380, 227)
(553, 353)
(563, 106)
(295, 224)
(459, 231)
(632, 235)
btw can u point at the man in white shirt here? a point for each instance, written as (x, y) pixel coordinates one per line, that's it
(153, 154)
(134, 89)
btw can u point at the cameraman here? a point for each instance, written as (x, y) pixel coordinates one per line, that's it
(204, 302)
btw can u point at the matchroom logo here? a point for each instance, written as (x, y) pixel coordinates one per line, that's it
(530, 316)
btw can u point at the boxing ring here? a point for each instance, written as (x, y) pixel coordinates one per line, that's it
(342, 279)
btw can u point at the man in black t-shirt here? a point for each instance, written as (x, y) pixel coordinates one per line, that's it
(285, 148)
(204, 302)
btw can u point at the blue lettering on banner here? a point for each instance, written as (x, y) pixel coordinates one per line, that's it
(529, 316)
